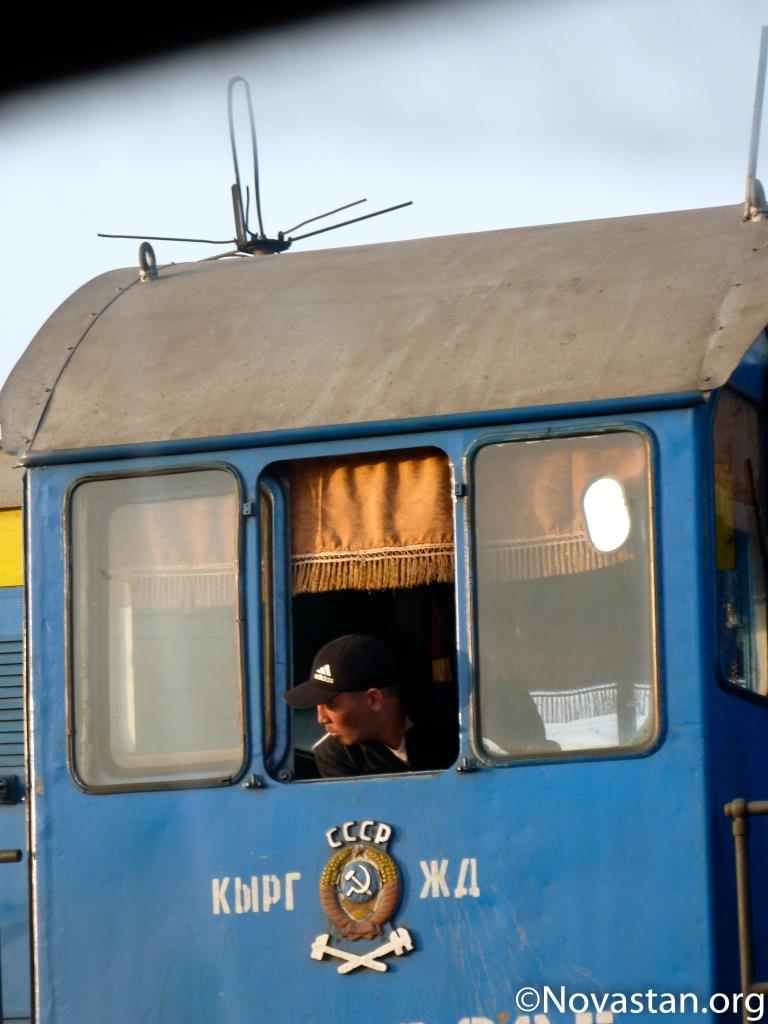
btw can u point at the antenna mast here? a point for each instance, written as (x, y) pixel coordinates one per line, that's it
(755, 207)
(249, 243)
(241, 215)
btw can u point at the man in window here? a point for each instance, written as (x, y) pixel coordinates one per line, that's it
(354, 684)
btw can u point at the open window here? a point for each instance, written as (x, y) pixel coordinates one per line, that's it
(564, 597)
(371, 551)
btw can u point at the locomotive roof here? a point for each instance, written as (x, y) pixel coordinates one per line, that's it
(660, 304)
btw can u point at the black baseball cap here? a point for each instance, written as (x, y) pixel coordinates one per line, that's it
(348, 664)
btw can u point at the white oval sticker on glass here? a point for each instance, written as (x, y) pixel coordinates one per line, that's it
(606, 513)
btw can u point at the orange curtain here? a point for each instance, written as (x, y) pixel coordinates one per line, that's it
(371, 522)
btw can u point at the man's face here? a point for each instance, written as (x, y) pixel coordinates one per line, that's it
(350, 717)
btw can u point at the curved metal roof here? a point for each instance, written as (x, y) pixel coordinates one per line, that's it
(666, 303)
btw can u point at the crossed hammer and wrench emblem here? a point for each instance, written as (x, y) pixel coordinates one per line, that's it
(399, 942)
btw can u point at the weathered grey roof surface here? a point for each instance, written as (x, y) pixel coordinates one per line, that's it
(506, 319)
(11, 481)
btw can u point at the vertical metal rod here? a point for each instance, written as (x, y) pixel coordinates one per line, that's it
(239, 221)
(254, 150)
(757, 114)
(743, 896)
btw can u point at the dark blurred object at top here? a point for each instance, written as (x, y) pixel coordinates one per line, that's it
(67, 41)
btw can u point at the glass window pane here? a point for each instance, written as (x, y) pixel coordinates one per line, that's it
(157, 694)
(740, 563)
(564, 599)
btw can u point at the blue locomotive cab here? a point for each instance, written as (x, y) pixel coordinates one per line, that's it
(524, 474)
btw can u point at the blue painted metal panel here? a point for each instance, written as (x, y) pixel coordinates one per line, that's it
(14, 878)
(592, 874)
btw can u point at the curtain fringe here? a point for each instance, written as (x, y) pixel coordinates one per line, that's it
(560, 706)
(382, 569)
(181, 589)
(567, 555)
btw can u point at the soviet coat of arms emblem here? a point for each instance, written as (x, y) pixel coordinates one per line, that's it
(360, 894)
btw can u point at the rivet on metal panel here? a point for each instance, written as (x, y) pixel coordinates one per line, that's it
(467, 765)
(285, 775)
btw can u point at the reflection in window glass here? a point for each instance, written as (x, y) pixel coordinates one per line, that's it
(564, 606)
(155, 659)
(740, 565)
(606, 514)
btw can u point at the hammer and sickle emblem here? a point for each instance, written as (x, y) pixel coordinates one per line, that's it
(357, 880)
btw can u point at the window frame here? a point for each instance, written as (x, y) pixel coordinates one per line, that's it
(746, 693)
(274, 544)
(69, 633)
(279, 763)
(480, 756)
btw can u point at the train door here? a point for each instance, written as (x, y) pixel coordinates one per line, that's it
(14, 868)
(141, 735)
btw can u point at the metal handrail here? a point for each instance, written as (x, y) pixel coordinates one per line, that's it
(740, 811)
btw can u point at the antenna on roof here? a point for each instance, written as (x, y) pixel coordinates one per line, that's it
(755, 207)
(241, 215)
(246, 241)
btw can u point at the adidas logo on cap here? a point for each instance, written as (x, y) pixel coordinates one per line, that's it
(349, 664)
(323, 675)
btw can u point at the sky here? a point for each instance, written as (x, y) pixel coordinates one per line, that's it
(487, 114)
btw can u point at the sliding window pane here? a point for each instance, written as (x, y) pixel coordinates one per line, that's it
(156, 679)
(564, 595)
